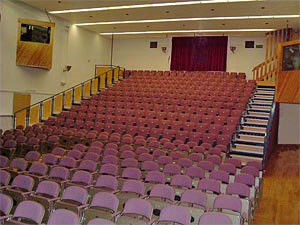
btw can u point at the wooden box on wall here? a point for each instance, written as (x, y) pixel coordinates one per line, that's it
(35, 50)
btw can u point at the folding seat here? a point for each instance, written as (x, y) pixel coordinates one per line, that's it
(130, 189)
(127, 140)
(182, 135)
(28, 212)
(144, 157)
(214, 218)
(4, 179)
(171, 170)
(75, 199)
(181, 183)
(50, 144)
(20, 141)
(174, 214)
(9, 148)
(5, 207)
(58, 151)
(68, 162)
(37, 171)
(209, 139)
(172, 116)
(46, 194)
(231, 206)
(164, 140)
(32, 156)
(144, 131)
(109, 169)
(236, 113)
(243, 192)
(202, 127)
(168, 146)
(183, 117)
(21, 187)
(103, 205)
(75, 154)
(211, 187)
(136, 211)
(255, 172)
(215, 151)
(111, 146)
(132, 130)
(16, 166)
(161, 115)
(212, 111)
(233, 121)
(195, 202)
(221, 176)
(176, 155)
(177, 125)
(139, 142)
(215, 129)
(257, 165)
(208, 166)
(196, 137)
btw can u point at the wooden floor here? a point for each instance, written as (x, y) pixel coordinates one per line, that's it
(280, 200)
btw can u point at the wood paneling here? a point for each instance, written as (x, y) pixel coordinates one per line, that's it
(279, 203)
(287, 82)
(68, 99)
(34, 115)
(34, 54)
(21, 118)
(78, 94)
(109, 77)
(87, 89)
(47, 109)
(95, 86)
(21, 101)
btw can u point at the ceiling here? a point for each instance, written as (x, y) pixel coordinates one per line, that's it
(257, 8)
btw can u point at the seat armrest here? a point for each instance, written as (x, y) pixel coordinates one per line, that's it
(2, 218)
(83, 206)
(27, 193)
(116, 214)
(116, 192)
(153, 221)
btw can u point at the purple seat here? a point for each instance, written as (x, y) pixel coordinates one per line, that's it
(228, 167)
(196, 157)
(133, 186)
(67, 162)
(194, 197)
(4, 178)
(6, 204)
(64, 217)
(209, 185)
(105, 200)
(181, 181)
(172, 169)
(216, 160)
(195, 172)
(206, 165)
(97, 144)
(149, 166)
(82, 178)
(127, 155)
(140, 150)
(106, 182)
(59, 173)
(129, 162)
(80, 147)
(214, 218)
(88, 165)
(199, 149)
(109, 169)
(163, 191)
(18, 164)
(91, 156)
(245, 178)
(29, 211)
(32, 156)
(111, 146)
(239, 189)
(110, 159)
(158, 153)
(49, 159)
(58, 151)
(185, 162)
(250, 170)
(228, 202)
(110, 151)
(3, 161)
(175, 214)
(126, 148)
(48, 189)
(256, 164)
(75, 195)
(155, 177)
(99, 221)
(131, 173)
(236, 162)
(74, 154)
(94, 149)
(138, 207)
(220, 175)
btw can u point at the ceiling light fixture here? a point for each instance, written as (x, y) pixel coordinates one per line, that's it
(150, 5)
(190, 19)
(189, 31)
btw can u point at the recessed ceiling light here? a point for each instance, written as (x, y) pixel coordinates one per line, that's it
(126, 14)
(190, 31)
(191, 19)
(150, 5)
(183, 25)
(115, 28)
(91, 16)
(223, 24)
(167, 11)
(266, 23)
(262, 7)
(58, 1)
(212, 10)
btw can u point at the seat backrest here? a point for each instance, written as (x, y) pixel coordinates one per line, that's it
(32, 156)
(131, 173)
(75, 193)
(3, 161)
(194, 197)
(24, 182)
(156, 177)
(30, 210)
(209, 185)
(105, 200)
(82, 177)
(19, 163)
(38, 168)
(140, 207)
(59, 172)
(214, 218)
(163, 191)
(133, 186)
(181, 181)
(107, 181)
(175, 214)
(228, 202)
(6, 204)
(239, 189)
(49, 188)
(63, 216)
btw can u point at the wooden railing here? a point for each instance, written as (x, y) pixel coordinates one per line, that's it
(266, 71)
(55, 104)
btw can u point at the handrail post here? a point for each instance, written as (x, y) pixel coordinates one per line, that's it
(82, 92)
(41, 112)
(63, 101)
(27, 117)
(99, 80)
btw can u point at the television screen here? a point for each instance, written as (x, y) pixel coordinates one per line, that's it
(291, 58)
(35, 33)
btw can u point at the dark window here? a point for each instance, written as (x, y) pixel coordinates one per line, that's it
(153, 44)
(249, 44)
(34, 33)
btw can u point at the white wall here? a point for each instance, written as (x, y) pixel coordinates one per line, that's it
(289, 124)
(73, 46)
(244, 59)
(137, 54)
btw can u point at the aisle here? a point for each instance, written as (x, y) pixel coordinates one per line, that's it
(280, 200)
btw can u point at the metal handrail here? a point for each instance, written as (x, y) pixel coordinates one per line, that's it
(67, 90)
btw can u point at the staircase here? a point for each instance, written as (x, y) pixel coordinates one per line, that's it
(249, 143)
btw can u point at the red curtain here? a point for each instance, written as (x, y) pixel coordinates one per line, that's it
(199, 53)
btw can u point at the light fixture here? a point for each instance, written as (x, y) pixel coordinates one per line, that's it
(190, 19)
(150, 5)
(189, 31)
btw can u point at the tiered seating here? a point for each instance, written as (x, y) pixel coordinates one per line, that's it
(151, 149)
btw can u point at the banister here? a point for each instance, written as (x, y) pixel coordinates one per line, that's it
(63, 93)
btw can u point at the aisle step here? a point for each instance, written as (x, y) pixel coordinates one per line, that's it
(254, 133)
(248, 150)
(256, 121)
(271, 97)
(256, 117)
(251, 137)
(248, 142)
(254, 129)
(246, 159)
